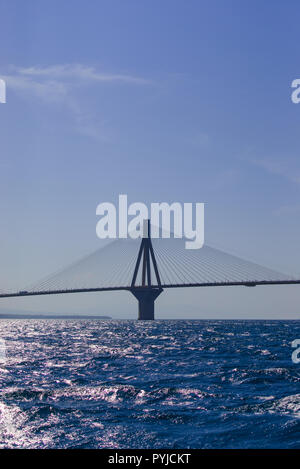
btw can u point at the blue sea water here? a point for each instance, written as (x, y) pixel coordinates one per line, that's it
(162, 384)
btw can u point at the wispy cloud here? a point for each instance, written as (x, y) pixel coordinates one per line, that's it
(199, 139)
(288, 168)
(45, 89)
(287, 210)
(59, 85)
(81, 72)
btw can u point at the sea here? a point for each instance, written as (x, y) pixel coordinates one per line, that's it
(159, 384)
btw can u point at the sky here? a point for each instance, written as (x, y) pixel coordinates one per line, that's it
(162, 101)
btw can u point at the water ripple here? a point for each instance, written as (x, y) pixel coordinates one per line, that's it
(129, 384)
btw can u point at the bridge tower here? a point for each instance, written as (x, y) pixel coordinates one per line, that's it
(147, 293)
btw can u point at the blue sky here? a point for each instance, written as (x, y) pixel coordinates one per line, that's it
(164, 101)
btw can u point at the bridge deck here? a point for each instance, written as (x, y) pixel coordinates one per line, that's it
(128, 288)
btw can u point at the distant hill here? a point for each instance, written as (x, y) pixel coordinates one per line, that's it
(30, 315)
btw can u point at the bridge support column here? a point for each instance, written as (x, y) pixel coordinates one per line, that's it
(146, 297)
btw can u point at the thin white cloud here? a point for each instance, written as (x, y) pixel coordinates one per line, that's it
(80, 72)
(59, 84)
(200, 139)
(50, 91)
(288, 168)
(287, 210)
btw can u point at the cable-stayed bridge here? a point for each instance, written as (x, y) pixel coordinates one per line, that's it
(145, 267)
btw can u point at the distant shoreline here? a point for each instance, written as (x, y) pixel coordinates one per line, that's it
(50, 316)
(95, 317)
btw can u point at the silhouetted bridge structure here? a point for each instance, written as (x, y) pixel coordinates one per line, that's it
(147, 267)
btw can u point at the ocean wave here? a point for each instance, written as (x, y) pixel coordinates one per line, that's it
(172, 384)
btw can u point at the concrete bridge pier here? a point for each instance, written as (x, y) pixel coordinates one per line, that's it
(146, 293)
(146, 298)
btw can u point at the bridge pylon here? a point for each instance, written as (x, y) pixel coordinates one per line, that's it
(147, 293)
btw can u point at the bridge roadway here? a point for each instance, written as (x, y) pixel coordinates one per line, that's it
(145, 288)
